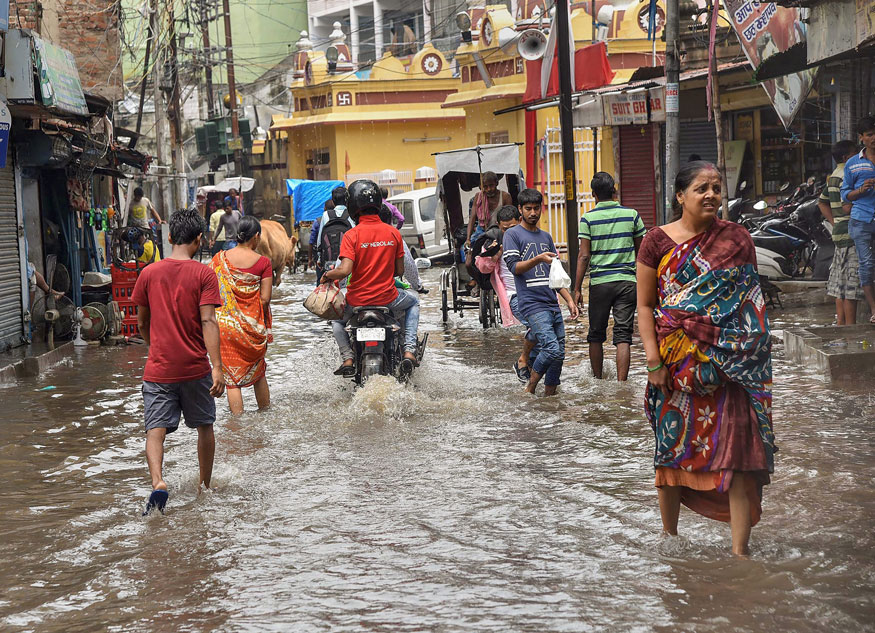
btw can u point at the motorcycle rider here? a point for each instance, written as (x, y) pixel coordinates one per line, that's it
(373, 254)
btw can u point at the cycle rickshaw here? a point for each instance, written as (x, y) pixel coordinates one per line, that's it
(459, 173)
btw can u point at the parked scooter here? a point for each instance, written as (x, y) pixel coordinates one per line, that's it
(796, 239)
(376, 337)
(792, 238)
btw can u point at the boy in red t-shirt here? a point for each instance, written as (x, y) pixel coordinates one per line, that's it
(373, 253)
(176, 314)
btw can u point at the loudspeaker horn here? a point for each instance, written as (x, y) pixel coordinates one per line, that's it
(507, 40)
(532, 44)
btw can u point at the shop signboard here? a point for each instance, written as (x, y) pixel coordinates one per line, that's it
(59, 78)
(589, 112)
(657, 104)
(765, 29)
(626, 108)
(744, 127)
(4, 16)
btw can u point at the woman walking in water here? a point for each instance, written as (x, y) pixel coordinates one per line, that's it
(245, 284)
(705, 331)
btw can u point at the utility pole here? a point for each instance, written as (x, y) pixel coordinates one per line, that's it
(566, 125)
(161, 153)
(179, 183)
(716, 110)
(232, 93)
(672, 101)
(208, 60)
(149, 38)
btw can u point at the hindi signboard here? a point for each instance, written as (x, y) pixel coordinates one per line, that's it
(765, 29)
(59, 78)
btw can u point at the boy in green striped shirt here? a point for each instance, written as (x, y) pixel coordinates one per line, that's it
(609, 239)
(844, 279)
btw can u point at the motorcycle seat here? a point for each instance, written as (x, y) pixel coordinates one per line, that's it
(359, 309)
(775, 243)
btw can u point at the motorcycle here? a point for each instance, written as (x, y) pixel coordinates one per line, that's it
(792, 238)
(795, 240)
(376, 337)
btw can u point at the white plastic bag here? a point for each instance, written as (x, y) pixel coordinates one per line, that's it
(558, 277)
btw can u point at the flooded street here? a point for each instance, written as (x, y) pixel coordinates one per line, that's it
(456, 505)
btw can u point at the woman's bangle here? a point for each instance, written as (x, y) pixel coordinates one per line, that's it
(657, 368)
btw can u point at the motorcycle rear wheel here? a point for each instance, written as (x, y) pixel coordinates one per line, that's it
(372, 365)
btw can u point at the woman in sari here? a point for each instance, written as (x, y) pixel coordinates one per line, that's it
(705, 331)
(245, 283)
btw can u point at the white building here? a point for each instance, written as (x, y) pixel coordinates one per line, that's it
(372, 25)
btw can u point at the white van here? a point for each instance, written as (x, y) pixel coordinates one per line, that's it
(419, 207)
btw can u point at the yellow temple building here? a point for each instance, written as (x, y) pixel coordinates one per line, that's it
(346, 127)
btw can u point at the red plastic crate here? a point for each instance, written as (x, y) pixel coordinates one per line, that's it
(130, 328)
(123, 282)
(128, 310)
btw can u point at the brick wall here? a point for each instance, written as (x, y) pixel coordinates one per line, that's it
(87, 28)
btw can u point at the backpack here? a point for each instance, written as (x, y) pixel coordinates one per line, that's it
(331, 233)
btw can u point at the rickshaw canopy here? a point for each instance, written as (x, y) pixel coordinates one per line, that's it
(503, 158)
(459, 171)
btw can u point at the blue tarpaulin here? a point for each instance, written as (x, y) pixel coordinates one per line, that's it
(309, 196)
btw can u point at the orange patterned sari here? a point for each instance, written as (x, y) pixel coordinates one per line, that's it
(244, 324)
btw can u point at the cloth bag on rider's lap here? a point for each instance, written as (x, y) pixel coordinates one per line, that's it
(558, 277)
(326, 301)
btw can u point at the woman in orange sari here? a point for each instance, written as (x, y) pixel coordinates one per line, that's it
(245, 283)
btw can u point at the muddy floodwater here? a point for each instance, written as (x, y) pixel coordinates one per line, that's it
(457, 504)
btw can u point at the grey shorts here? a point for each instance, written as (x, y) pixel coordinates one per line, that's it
(166, 401)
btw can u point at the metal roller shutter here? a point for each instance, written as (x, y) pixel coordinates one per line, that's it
(698, 137)
(11, 324)
(637, 172)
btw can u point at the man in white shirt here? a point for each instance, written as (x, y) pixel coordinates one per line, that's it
(139, 210)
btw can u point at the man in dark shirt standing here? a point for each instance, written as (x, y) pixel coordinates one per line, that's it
(178, 296)
(528, 253)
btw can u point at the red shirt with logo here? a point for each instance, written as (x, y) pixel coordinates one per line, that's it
(174, 290)
(374, 247)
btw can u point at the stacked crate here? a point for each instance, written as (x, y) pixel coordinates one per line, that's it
(123, 281)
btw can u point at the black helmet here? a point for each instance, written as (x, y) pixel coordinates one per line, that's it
(364, 195)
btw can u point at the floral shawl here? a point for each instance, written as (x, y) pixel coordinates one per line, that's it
(714, 337)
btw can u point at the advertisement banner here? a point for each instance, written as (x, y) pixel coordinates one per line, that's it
(764, 29)
(59, 78)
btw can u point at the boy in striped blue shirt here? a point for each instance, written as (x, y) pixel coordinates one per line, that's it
(609, 239)
(528, 253)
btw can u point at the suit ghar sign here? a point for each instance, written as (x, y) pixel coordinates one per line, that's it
(627, 108)
(5, 126)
